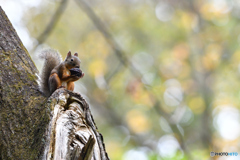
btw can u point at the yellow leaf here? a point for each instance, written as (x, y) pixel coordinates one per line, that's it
(97, 67)
(211, 58)
(197, 105)
(137, 121)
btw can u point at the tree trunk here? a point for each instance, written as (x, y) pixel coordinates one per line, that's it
(32, 126)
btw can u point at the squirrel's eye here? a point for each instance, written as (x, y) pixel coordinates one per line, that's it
(71, 59)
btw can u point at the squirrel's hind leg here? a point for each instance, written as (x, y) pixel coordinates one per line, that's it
(70, 86)
(54, 82)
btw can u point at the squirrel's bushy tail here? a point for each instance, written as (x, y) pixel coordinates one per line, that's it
(51, 59)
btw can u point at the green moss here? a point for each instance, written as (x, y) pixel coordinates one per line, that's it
(31, 77)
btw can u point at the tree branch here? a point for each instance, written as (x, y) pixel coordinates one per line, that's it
(53, 22)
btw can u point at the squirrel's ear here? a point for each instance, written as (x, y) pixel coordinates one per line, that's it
(69, 53)
(76, 54)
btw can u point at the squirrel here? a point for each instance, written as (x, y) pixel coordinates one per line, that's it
(57, 73)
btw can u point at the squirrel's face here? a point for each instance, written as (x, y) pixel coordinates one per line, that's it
(72, 61)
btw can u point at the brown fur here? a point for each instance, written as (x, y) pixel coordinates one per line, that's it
(56, 74)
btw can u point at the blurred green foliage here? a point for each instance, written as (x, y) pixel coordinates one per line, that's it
(185, 58)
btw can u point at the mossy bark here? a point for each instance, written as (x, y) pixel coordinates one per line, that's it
(25, 117)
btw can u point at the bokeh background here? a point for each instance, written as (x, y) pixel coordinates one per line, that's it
(161, 76)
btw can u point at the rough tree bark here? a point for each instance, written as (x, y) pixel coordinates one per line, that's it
(33, 126)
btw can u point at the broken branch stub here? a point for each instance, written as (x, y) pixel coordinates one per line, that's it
(72, 133)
